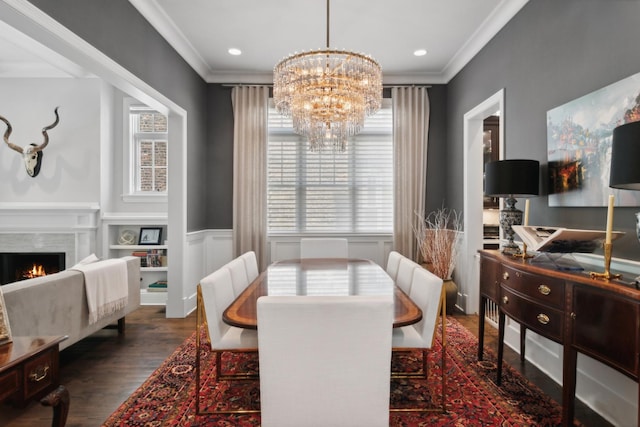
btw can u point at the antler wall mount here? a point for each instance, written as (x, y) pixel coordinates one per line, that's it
(31, 154)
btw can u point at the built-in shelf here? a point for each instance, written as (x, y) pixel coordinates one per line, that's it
(149, 269)
(113, 226)
(152, 298)
(137, 247)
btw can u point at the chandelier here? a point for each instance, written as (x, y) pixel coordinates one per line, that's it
(327, 93)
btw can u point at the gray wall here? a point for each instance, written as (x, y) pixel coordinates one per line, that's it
(117, 29)
(437, 149)
(220, 158)
(550, 53)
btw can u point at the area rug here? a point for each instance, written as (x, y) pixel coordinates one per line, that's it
(167, 398)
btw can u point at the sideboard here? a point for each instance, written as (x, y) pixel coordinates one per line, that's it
(597, 317)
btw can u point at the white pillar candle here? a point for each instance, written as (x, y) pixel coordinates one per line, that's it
(526, 212)
(609, 220)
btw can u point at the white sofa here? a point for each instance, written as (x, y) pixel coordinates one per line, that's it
(56, 304)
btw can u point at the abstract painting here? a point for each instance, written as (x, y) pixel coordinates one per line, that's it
(579, 145)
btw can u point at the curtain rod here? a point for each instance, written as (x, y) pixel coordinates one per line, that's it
(271, 85)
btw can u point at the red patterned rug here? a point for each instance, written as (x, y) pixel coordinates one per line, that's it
(167, 398)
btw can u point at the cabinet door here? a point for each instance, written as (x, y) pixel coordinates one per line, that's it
(489, 282)
(605, 327)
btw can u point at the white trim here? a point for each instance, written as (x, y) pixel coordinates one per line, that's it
(472, 195)
(502, 14)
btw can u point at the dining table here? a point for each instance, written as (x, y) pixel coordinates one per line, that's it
(322, 277)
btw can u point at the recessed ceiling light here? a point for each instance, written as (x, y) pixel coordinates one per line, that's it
(420, 52)
(234, 51)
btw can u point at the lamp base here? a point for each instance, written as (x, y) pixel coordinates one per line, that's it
(510, 216)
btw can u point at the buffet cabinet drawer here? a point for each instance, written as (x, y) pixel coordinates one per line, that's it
(542, 319)
(40, 373)
(9, 383)
(545, 290)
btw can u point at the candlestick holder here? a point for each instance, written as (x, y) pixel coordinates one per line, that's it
(607, 264)
(523, 254)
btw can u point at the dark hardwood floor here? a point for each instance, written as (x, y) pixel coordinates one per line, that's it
(102, 370)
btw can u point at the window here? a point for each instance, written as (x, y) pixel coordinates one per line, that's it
(149, 133)
(327, 192)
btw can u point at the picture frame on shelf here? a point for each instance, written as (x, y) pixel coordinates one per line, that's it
(5, 329)
(150, 236)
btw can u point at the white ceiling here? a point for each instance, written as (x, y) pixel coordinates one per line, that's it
(452, 32)
(202, 31)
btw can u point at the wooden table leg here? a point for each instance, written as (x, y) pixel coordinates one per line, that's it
(481, 315)
(58, 399)
(501, 325)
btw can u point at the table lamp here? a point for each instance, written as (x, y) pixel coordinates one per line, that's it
(625, 152)
(511, 179)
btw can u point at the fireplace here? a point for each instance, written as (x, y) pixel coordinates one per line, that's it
(16, 266)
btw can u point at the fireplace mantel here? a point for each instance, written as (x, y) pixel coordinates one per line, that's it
(69, 227)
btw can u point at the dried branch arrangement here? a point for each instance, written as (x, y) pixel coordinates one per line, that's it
(438, 239)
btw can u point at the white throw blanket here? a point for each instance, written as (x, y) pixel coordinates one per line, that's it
(106, 284)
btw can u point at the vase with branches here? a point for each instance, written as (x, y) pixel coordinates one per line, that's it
(438, 236)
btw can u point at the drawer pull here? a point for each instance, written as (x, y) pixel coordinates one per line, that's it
(505, 300)
(543, 318)
(505, 275)
(39, 374)
(544, 289)
(518, 275)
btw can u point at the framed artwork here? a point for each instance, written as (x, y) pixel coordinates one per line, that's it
(5, 329)
(150, 236)
(579, 145)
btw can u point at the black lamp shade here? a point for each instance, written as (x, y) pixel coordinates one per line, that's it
(625, 157)
(517, 178)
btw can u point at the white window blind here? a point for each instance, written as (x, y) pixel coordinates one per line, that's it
(149, 143)
(327, 192)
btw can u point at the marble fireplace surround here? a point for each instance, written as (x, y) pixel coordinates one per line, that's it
(46, 227)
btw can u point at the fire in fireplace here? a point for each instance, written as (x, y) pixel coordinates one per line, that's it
(16, 266)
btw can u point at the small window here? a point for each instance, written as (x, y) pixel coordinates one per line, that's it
(148, 136)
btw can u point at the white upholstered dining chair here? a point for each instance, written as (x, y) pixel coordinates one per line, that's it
(323, 248)
(250, 265)
(393, 262)
(404, 277)
(427, 291)
(239, 278)
(215, 293)
(325, 361)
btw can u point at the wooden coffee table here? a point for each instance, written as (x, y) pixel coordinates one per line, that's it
(29, 370)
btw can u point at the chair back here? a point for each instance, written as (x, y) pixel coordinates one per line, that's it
(217, 294)
(325, 361)
(250, 265)
(393, 262)
(238, 273)
(405, 274)
(426, 292)
(324, 248)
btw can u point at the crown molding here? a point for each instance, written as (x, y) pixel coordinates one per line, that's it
(165, 26)
(502, 14)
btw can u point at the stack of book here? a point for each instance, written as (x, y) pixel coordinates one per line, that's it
(158, 286)
(151, 258)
